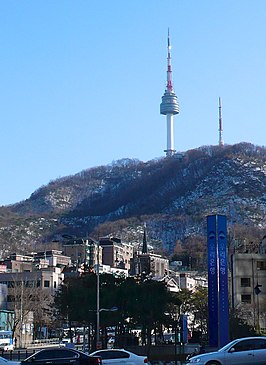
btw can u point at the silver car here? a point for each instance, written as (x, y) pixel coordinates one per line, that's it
(120, 357)
(243, 351)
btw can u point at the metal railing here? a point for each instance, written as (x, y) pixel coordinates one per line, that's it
(43, 343)
(17, 355)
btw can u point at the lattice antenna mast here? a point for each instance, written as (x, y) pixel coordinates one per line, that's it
(169, 86)
(221, 142)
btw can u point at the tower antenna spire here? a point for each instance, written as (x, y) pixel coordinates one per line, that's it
(169, 66)
(221, 142)
(169, 105)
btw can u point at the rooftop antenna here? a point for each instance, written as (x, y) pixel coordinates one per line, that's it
(221, 142)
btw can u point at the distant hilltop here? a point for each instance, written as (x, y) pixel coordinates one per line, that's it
(172, 196)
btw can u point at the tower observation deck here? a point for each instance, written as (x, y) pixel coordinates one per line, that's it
(169, 105)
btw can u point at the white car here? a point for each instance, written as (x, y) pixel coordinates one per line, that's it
(65, 342)
(6, 347)
(120, 357)
(243, 351)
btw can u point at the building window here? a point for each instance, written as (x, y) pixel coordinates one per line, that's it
(246, 298)
(46, 283)
(261, 265)
(10, 298)
(54, 284)
(245, 282)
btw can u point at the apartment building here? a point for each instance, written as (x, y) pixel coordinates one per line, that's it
(42, 269)
(83, 251)
(116, 253)
(17, 263)
(21, 277)
(248, 286)
(51, 258)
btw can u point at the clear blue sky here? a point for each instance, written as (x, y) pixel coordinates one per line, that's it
(82, 80)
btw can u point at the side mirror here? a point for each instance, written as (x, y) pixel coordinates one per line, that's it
(232, 349)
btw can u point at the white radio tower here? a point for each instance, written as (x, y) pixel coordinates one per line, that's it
(169, 105)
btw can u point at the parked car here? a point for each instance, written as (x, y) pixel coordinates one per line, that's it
(65, 342)
(6, 347)
(61, 356)
(243, 351)
(120, 357)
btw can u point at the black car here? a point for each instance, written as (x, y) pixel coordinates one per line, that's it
(61, 356)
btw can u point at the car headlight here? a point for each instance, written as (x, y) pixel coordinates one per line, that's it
(194, 361)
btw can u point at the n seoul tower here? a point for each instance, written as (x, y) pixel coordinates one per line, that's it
(169, 105)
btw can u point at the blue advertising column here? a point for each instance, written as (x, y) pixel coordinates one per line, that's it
(217, 281)
(212, 281)
(183, 329)
(223, 282)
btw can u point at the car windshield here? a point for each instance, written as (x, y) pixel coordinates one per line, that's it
(226, 347)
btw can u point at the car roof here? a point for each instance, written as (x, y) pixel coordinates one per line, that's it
(112, 350)
(55, 348)
(250, 338)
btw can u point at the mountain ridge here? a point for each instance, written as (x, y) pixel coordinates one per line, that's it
(172, 195)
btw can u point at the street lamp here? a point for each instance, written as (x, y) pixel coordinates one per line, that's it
(98, 309)
(98, 344)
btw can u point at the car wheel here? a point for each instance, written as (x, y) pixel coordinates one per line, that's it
(213, 362)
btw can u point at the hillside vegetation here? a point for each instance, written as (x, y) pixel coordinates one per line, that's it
(172, 195)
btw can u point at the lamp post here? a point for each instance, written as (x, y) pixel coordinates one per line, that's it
(98, 343)
(98, 309)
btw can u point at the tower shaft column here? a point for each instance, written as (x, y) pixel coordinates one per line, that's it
(170, 135)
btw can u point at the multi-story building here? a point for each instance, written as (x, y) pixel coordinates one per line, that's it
(17, 263)
(51, 258)
(248, 286)
(83, 251)
(49, 279)
(115, 253)
(23, 276)
(189, 280)
(38, 260)
(43, 269)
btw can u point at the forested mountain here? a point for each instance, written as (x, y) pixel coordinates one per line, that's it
(171, 195)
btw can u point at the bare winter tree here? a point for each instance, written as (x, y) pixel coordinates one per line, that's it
(30, 303)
